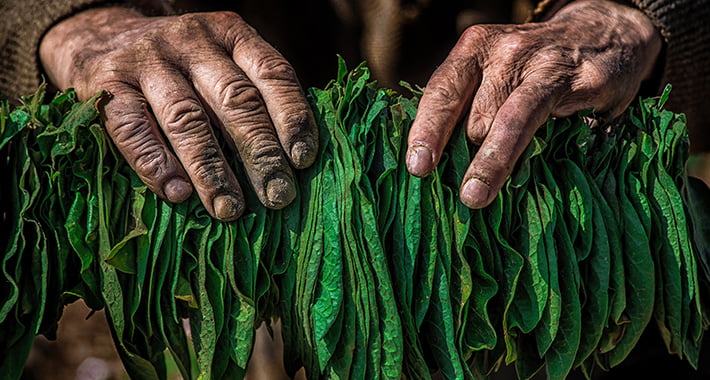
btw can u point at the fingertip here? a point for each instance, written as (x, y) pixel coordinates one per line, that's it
(420, 160)
(227, 207)
(475, 193)
(303, 153)
(300, 130)
(280, 191)
(177, 190)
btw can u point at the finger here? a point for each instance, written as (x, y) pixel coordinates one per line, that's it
(280, 90)
(238, 105)
(491, 94)
(445, 98)
(515, 123)
(136, 135)
(186, 126)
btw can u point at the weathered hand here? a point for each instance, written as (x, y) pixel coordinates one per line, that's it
(174, 79)
(511, 78)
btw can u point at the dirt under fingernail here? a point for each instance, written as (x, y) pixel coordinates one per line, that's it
(303, 153)
(280, 191)
(227, 207)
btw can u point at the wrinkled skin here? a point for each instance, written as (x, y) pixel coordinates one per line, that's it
(508, 79)
(180, 77)
(172, 82)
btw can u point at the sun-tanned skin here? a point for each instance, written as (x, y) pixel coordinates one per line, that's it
(508, 79)
(181, 76)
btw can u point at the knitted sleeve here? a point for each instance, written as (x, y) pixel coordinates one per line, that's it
(685, 27)
(21, 28)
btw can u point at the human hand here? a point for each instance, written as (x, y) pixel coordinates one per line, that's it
(511, 78)
(175, 79)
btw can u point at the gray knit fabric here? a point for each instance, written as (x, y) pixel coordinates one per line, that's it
(24, 23)
(685, 27)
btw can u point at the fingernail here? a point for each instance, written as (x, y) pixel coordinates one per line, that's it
(303, 153)
(475, 193)
(280, 191)
(419, 160)
(177, 190)
(227, 207)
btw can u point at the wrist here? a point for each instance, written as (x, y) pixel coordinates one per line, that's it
(71, 40)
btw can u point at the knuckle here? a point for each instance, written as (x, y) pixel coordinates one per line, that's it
(118, 59)
(203, 160)
(297, 118)
(477, 124)
(454, 73)
(184, 118)
(554, 57)
(149, 162)
(209, 168)
(551, 68)
(186, 24)
(515, 43)
(87, 59)
(293, 116)
(259, 147)
(133, 136)
(476, 41)
(237, 30)
(226, 17)
(124, 127)
(444, 89)
(112, 69)
(475, 34)
(595, 77)
(240, 97)
(146, 47)
(275, 67)
(557, 65)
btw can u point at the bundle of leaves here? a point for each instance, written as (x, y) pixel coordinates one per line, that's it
(373, 273)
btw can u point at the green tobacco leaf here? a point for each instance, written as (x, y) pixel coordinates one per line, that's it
(548, 196)
(638, 262)
(373, 273)
(560, 356)
(594, 278)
